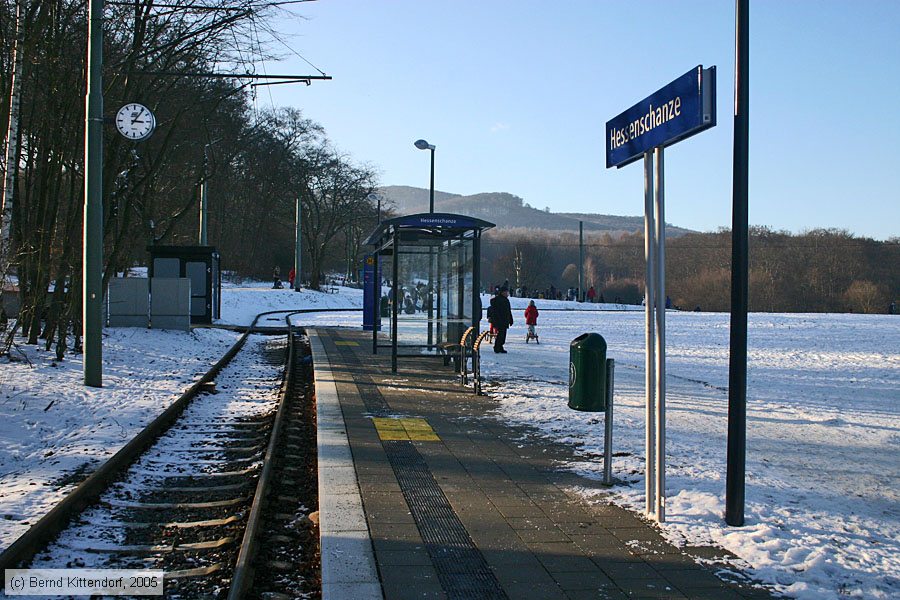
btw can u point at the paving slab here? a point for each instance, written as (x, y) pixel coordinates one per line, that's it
(457, 504)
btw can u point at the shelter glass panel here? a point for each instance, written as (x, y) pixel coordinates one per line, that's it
(426, 279)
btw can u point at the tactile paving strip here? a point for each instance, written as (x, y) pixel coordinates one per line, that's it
(392, 429)
(460, 566)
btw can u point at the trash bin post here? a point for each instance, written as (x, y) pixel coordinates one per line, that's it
(607, 437)
(591, 387)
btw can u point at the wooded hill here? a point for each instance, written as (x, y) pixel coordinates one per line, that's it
(509, 211)
(824, 270)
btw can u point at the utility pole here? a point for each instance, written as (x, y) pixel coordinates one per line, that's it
(580, 261)
(92, 300)
(204, 195)
(298, 246)
(740, 289)
(204, 207)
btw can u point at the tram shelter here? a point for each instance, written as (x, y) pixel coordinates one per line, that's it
(426, 283)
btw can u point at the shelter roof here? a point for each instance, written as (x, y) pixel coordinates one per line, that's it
(445, 225)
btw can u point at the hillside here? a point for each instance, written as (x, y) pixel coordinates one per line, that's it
(508, 211)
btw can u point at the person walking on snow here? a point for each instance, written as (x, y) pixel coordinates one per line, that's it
(501, 318)
(531, 315)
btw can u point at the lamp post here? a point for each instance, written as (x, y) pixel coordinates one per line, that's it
(376, 198)
(423, 145)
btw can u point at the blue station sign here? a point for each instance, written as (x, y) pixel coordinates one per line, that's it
(677, 111)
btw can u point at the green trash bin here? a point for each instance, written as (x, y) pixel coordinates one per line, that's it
(587, 373)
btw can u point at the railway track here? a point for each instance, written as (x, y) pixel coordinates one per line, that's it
(219, 492)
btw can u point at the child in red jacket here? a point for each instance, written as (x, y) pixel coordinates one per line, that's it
(531, 315)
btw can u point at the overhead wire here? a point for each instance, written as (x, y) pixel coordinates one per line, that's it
(290, 48)
(672, 243)
(262, 59)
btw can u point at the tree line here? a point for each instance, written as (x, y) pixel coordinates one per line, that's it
(822, 270)
(256, 162)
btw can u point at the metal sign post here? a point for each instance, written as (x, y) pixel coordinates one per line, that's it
(649, 337)
(659, 220)
(675, 112)
(608, 422)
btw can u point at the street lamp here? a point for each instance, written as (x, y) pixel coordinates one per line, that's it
(423, 145)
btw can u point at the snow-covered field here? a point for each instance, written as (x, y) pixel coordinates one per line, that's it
(823, 436)
(823, 464)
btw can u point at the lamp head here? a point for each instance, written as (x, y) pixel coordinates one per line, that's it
(423, 145)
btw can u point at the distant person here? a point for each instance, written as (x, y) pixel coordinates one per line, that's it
(501, 318)
(892, 309)
(276, 278)
(602, 299)
(591, 294)
(668, 302)
(291, 276)
(409, 307)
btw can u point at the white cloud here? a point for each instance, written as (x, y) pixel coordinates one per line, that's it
(499, 127)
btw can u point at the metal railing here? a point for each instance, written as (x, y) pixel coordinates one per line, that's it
(463, 355)
(476, 360)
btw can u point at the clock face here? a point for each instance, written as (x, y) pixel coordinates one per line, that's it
(135, 121)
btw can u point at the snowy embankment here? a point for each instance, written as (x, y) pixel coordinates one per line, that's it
(823, 436)
(54, 430)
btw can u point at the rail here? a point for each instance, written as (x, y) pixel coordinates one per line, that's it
(23, 549)
(243, 569)
(88, 491)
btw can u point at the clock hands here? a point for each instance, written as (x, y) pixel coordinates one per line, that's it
(135, 121)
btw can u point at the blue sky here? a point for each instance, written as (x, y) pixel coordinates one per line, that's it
(515, 94)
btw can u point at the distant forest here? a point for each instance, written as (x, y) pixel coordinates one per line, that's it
(823, 270)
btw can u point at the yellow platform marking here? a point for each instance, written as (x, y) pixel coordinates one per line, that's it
(346, 344)
(392, 429)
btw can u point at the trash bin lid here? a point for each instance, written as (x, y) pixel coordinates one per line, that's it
(593, 341)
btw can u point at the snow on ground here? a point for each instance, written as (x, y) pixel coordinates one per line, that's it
(240, 303)
(247, 389)
(823, 463)
(53, 429)
(823, 456)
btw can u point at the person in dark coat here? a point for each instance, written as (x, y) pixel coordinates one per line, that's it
(501, 318)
